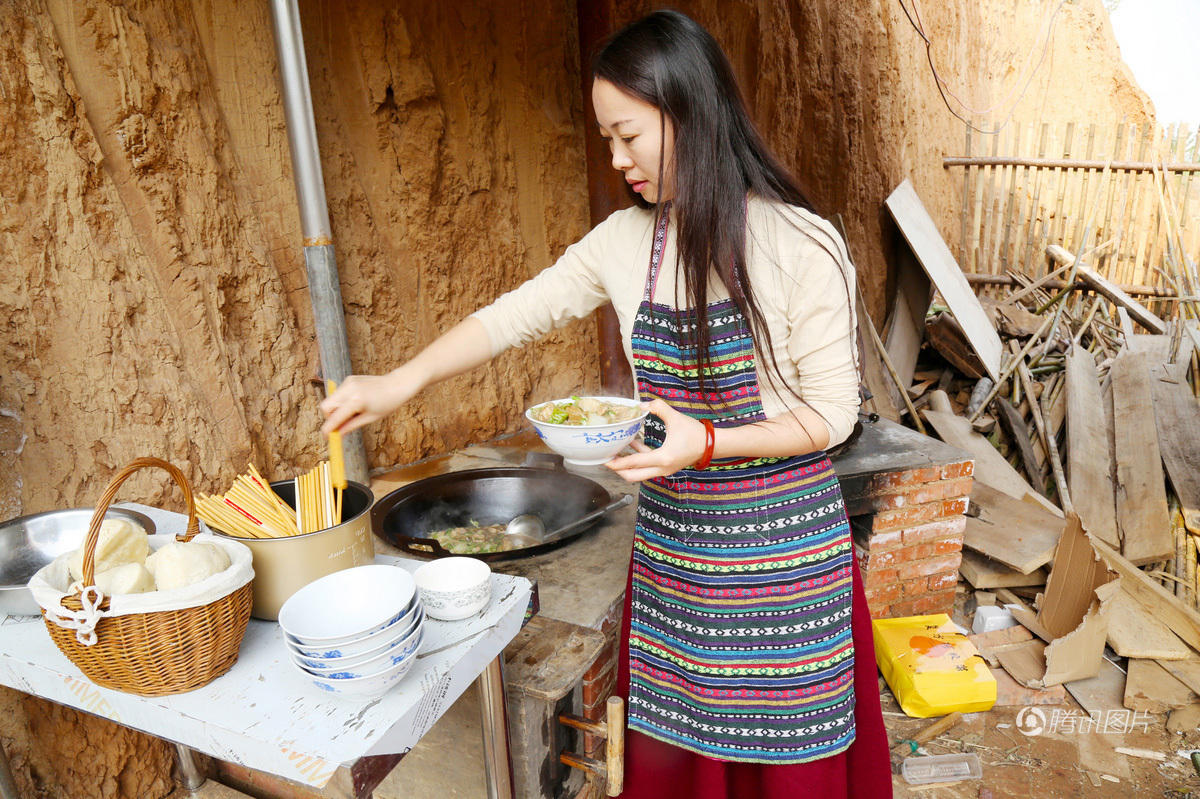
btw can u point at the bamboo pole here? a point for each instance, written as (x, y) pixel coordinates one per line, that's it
(1007, 200)
(963, 257)
(994, 190)
(1082, 177)
(1133, 265)
(1060, 186)
(1048, 443)
(1114, 153)
(976, 222)
(1027, 262)
(1154, 231)
(1063, 163)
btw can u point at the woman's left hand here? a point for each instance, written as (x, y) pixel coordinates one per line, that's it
(682, 446)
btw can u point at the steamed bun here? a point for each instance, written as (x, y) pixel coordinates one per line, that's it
(178, 564)
(121, 541)
(128, 578)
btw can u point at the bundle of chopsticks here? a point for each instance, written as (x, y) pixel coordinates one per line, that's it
(252, 509)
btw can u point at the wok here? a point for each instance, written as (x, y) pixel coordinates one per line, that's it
(406, 517)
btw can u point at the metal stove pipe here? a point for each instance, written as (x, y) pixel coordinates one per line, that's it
(324, 291)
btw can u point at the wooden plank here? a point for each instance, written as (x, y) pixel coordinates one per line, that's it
(1126, 325)
(990, 466)
(938, 262)
(1134, 633)
(885, 398)
(1151, 689)
(948, 338)
(1021, 535)
(1099, 694)
(1158, 347)
(983, 572)
(906, 326)
(1018, 432)
(1177, 416)
(1182, 620)
(1089, 468)
(1186, 671)
(1142, 518)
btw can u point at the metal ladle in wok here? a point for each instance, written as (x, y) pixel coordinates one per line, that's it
(527, 530)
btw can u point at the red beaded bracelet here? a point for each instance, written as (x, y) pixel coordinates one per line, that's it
(710, 443)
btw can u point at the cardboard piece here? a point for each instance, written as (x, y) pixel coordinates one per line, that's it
(1069, 619)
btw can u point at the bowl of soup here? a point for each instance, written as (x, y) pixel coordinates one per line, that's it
(587, 431)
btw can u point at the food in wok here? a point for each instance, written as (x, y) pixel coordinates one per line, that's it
(584, 411)
(473, 540)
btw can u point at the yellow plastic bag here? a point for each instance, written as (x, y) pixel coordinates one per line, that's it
(931, 667)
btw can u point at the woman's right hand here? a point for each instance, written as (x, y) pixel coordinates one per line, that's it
(362, 399)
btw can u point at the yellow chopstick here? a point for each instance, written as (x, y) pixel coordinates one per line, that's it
(337, 462)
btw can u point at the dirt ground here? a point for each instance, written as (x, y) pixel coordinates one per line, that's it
(1059, 763)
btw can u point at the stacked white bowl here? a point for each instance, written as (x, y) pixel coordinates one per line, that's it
(355, 632)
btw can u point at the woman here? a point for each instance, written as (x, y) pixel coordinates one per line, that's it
(749, 669)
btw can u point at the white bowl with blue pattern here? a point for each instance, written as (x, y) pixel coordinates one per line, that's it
(372, 661)
(371, 644)
(369, 686)
(347, 605)
(589, 445)
(343, 669)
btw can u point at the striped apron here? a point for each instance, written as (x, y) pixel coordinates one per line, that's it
(740, 642)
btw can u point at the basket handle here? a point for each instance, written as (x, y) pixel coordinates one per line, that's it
(110, 493)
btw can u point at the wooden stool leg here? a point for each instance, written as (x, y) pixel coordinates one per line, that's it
(616, 745)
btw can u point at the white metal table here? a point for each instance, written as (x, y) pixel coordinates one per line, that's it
(265, 715)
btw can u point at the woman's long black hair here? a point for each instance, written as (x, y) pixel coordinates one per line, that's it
(671, 62)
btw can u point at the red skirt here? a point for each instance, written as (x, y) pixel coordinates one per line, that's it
(658, 770)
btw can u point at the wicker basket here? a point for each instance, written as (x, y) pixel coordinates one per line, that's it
(159, 653)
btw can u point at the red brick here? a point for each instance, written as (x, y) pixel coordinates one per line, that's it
(905, 607)
(910, 589)
(595, 694)
(954, 507)
(871, 560)
(928, 492)
(883, 595)
(893, 480)
(943, 546)
(885, 501)
(929, 566)
(933, 531)
(940, 582)
(878, 578)
(604, 661)
(959, 488)
(941, 602)
(886, 540)
(962, 469)
(905, 517)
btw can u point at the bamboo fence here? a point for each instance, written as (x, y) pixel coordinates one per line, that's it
(1125, 196)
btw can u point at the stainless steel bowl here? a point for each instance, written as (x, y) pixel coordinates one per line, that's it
(30, 542)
